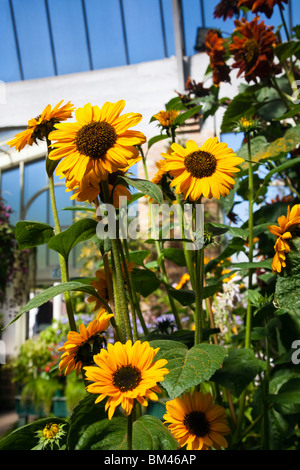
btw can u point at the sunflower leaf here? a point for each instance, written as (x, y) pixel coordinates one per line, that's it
(188, 367)
(30, 233)
(80, 231)
(287, 290)
(52, 291)
(239, 368)
(149, 433)
(146, 187)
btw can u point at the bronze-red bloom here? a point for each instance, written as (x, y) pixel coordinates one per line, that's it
(262, 6)
(226, 9)
(253, 49)
(215, 48)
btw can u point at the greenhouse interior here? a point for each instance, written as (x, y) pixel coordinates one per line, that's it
(150, 226)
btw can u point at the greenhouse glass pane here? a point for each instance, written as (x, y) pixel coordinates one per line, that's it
(106, 33)
(10, 192)
(9, 65)
(69, 36)
(34, 38)
(143, 30)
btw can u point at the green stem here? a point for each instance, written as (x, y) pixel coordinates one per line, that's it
(242, 399)
(187, 253)
(129, 289)
(266, 400)
(62, 261)
(122, 312)
(284, 24)
(134, 296)
(250, 253)
(199, 296)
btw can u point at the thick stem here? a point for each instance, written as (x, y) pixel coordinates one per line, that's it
(250, 253)
(199, 296)
(134, 296)
(122, 313)
(242, 399)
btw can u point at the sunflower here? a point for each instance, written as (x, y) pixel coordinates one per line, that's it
(98, 142)
(167, 118)
(207, 170)
(160, 165)
(253, 49)
(196, 422)
(50, 436)
(126, 372)
(287, 225)
(88, 189)
(262, 6)
(226, 9)
(80, 347)
(215, 48)
(42, 125)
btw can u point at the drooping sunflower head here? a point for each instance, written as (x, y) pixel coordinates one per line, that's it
(38, 128)
(288, 226)
(253, 49)
(207, 170)
(262, 6)
(80, 348)
(99, 142)
(215, 48)
(196, 422)
(226, 9)
(125, 373)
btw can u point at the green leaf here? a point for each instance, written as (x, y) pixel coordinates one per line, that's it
(240, 106)
(51, 292)
(284, 166)
(181, 118)
(288, 49)
(287, 290)
(139, 256)
(80, 231)
(148, 433)
(266, 264)
(288, 397)
(144, 281)
(174, 254)
(156, 138)
(146, 187)
(87, 412)
(219, 229)
(188, 367)
(24, 438)
(239, 369)
(291, 113)
(183, 296)
(50, 166)
(29, 233)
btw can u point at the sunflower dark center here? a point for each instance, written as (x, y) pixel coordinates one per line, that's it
(95, 139)
(196, 423)
(200, 163)
(127, 378)
(252, 49)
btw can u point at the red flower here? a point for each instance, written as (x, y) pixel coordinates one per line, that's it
(226, 9)
(262, 6)
(215, 48)
(252, 48)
